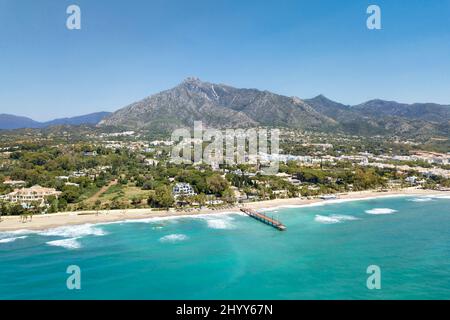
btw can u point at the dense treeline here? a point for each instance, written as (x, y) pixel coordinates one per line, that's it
(90, 176)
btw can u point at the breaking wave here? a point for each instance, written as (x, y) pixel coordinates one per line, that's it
(8, 240)
(421, 199)
(381, 211)
(219, 222)
(441, 197)
(174, 238)
(75, 231)
(71, 243)
(334, 218)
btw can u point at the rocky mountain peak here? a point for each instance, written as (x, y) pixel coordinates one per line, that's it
(223, 106)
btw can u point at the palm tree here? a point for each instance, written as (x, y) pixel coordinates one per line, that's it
(201, 199)
(182, 198)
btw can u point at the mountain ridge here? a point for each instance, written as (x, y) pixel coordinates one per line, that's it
(11, 122)
(224, 106)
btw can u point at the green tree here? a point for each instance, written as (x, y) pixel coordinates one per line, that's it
(228, 196)
(98, 204)
(201, 199)
(71, 194)
(16, 209)
(161, 198)
(136, 201)
(3, 209)
(216, 184)
(62, 204)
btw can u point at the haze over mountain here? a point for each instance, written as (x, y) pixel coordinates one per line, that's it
(223, 106)
(9, 122)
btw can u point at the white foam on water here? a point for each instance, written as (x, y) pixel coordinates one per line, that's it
(70, 244)
(15, 233)
(175, 217)
(325, 219)
(441, 197)
(219, 224)
(344, 217)
(144, 220)
(174, 238)
(377, 211)
(421, 199)
(8, 240)
(75, 231)
(334, 218)
(221, 215)
(337, 201)
(218, 221)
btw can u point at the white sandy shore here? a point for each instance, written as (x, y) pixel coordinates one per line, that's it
(41, 222)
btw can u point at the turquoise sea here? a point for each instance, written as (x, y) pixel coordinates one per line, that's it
(324, 254)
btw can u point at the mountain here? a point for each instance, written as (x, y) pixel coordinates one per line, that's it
(92, 118)
(223, 106)
(219, 106)
(418, 111)
(380, 117)
(10, 122)
(412, 120)
(349, 120)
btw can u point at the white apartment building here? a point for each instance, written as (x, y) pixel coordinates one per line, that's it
(183, 189)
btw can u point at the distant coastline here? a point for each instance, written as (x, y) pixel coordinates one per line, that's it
(48, 221)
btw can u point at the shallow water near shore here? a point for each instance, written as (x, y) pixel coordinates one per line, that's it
(323, 254)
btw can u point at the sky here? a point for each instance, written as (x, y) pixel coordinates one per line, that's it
(128, 50)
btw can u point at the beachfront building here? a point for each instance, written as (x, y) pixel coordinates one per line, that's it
(281, 194)
(411, 180)
(328, 197)
(183, 189)
(26, 196)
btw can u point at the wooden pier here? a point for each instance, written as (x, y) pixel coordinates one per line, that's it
(264, 219)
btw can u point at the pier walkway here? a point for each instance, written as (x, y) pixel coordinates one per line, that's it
(264, 219)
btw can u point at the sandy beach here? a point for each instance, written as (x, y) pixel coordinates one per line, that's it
(47, 221)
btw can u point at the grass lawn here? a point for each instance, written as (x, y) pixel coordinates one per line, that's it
(123, 192)
(89, 192)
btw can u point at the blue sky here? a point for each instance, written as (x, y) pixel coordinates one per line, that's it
(127, 50)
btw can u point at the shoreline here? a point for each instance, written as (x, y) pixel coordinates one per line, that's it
(54, 220)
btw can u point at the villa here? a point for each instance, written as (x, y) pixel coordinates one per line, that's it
(28, 195)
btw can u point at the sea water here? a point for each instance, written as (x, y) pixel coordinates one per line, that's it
(324, 254)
